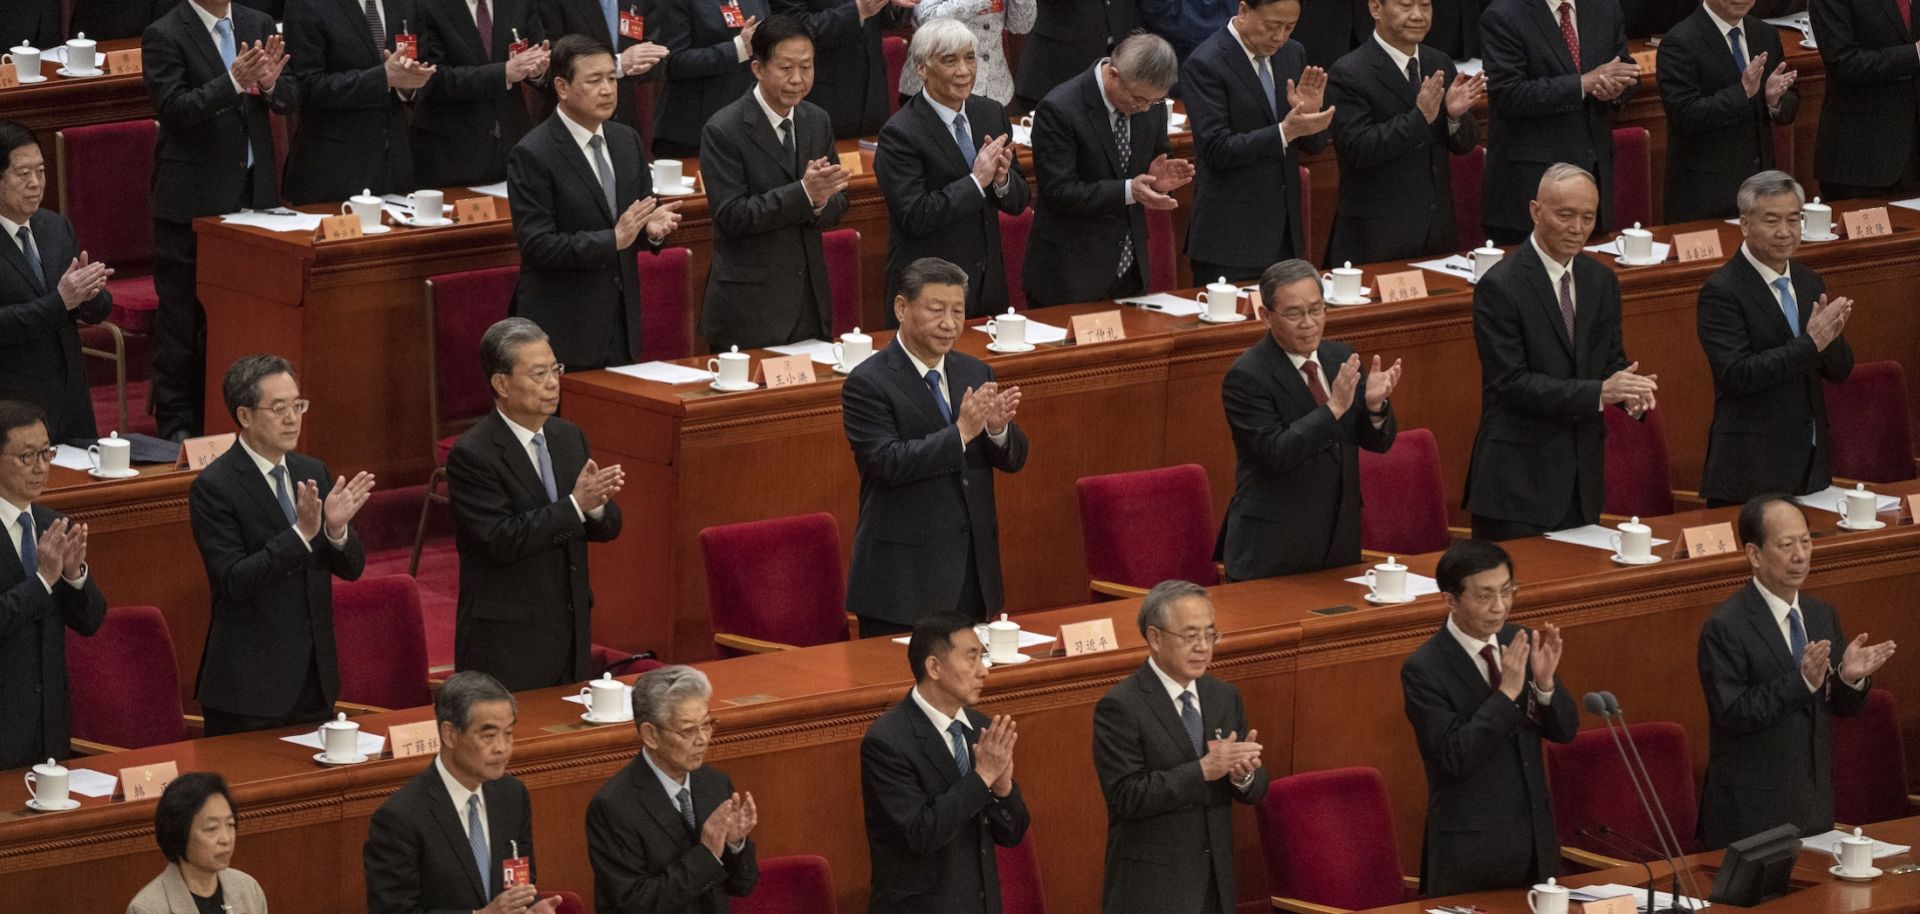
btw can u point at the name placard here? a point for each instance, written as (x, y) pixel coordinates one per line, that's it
(418, 738)
(1913, 507)
(1871, 222)
(8, 78)
(1403, 286)
(339, 228)
(786, 371)
(1710, 539)
(1701, 245)
(1622, 904)
(852, 163)
(144, 782)
(123, 62)
(1100, 327)
(1091, 637)
(196, 453)
(475, 209)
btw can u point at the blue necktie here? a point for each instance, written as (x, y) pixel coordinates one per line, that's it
(1190, 719)
(685, 797)
(33, 259)
(280, 491)
(1796, 634)
(1739, 53)
(546, 466)
(961, 136)
(225, 28)
(962, 760)
(1266, 85)
(611, 9)
(477, 840)
(939, 396)
(1787, 304)
(29, 550)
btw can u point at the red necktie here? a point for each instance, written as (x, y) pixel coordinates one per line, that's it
(1906, 13)
(1313, 382)
(1493, 666)
(1567, 32)
(483, 20)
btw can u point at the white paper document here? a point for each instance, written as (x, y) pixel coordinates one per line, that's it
(1660, 249)
(1469, 66)
(89, 783)
(1166, 304)
(371, 744)
(1799, 22)
(275, 220)
(1457, 266)
(1038, 332)
(491, 190)
(1830, 498)
(818, 350)
(1418, 585)
(1661, 900)
(1824, 844)
(664, 372)
(1594, 536)
(72, 458)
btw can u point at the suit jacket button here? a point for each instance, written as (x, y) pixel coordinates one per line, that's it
(964, 528)
(966, 482)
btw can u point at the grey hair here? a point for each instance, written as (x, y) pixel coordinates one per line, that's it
(503, 339)
(1158, 605)
(1147, 59)
(454, 704)
(1771, 183)
(938, 39)
(1565, 171)
(658, 691)
(241, 384)
(1285, 273)
(930, 271)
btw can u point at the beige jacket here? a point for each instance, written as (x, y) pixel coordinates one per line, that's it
(167, 894)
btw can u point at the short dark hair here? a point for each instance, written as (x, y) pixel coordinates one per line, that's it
(570, 49)
(241, 386)
(1256, 4)
(775, 30)
(456, 698)
(1284, 273)
(1465, 559)
(179, 805)
(1753, 517)
(14, 135)
(931, 636)
(19, 414)
(500, 345)
(930, 271)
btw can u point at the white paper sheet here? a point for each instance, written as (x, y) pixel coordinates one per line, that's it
(1038, 332)
(58, 54)
(1824, 844)
(1908, 204)
(1593, 536)
(492, 190)
(1166, 304)
(664, 372)
(72, 458)
(820, 351)
(1799, 22)
(1027, 639)
(278, 221)
(1457, 266)
(89, 783)
(1469, 66)
(371, 744)
(1418, 585)
(1660, 249)
(1662, 900)
(1829, 499)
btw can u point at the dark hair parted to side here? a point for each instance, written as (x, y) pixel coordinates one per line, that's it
(776, 29)
(933, 636)
(18, 414)
(241, 386)
(1465, 559)
(930, 271)
(465, 689)
(569, 50)
(179, 805)
(1285, 273)
(1157, 607)
(500, 345)
(14, 135)
(1753, 517)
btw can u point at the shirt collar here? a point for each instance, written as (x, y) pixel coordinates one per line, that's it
(580, 134)
(1723, 24)
(1399, 59)
(263, 464)
(208, 19)
(519, 431)
(1100, 83)
(1234, 29)
(9, 516)
(671, 786)
(1767, 275)
(938, 718)
(1553, 6)
(1299, 360)
(946, 114)
(1469, 643)
(13, 228)
(922, 367)
(773, 117)
(1554, 267)
(457, 790)
(1174, 689)
(1776, 605)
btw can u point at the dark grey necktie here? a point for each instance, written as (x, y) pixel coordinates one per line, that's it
(1190, 719)
(34, 270)
(604, 170)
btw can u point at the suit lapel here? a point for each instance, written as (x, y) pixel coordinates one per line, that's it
(16, 258)
(1766, 628)
(249, 479)
(1586, 292)
(503, 833)
(1891, 10)
(1586, 21)
(1756, 295)
(1548, 25)
(934, 747)
(1242, 69)
(1394, 80)
(440, 807)
(518, 464)
(1548, 296)
(908, 378)
(456, 13)
(762, 132)
(11, 571)
(1289, 378)
(356, 16)
(942, 135)
(653, 798)
(575, 156)
(1096, 114)
(1465, 668)
(1161, 707)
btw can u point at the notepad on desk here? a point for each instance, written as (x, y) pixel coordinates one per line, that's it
(664, 372)
(1165, 303)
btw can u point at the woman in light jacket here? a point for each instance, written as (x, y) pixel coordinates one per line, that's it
(1016, 16)
(195, 827)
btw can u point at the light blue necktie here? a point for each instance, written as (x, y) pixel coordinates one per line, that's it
(1796, 634)
(1190, 719)
(939, 396)
(33, 258)
(225, 28)
(546, 466)
(29, 550)
(962, 760)
(961, 136)
(1791, 309)
(477, 840)
(280, 491)
(1739, 53)
(611, 9)
(1266, 85)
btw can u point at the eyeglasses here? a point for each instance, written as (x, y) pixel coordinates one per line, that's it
(1208, 638)
(1486, 593)
(29, 458)
(545, 373)
(1297, 316)
(286, 410)
(704, 728)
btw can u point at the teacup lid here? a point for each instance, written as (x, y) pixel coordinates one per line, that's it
(1859, 837)
(1816, 202)
(51, 767)
(606, 676)
(1551, 885)
(25, 47)
(340, 722)
(1859, 487)
(80, 38)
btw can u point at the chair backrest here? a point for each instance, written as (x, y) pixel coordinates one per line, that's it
(1404, 511)
(382, 642)
(1468, 171)
(460, 308)
(1310, 248)
(1637, 479)
(801, 884)
(1869, 764)
(1327, 838)
(1163, 272)
(666, 324)
(104, 171)
(777, 580)
(1632, 177)
(613, 660)
(569, 902)
(843, 277)
(1148, 526)
(1591, 790)
(1783, 148)
(643, 97)
(1020, 889)
(132, 646)
(895, 49)
(1013, 254)
(1868, 433)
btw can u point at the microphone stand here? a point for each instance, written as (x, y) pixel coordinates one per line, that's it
(1616, 848)
(1596, 703)
(1693, 888)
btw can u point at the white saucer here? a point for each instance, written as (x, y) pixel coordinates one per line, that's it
(1872, 873)
(1648, 559)
(1016, 661)
(63, 71)
(98, 474)
(1827, 237)
(322, 758)
(686, 187)
(1362, 300)
(1622, 260)
(589, 718)
(75, 804)
(1381, 601)
(734, 388)
(412, 222)
(1875, 525)
(376, 230)
(31, 80)
(843, 368)
(1010, 347)
(1233, 318)
(1808, 44)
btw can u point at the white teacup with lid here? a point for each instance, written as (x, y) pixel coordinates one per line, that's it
(47, 787)
(340, 740)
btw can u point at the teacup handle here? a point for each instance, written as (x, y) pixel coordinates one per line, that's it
(993, 330)
(1620, 245)
(33, 783)
(1204, 297)
(6, 60)
(713, 367)
(93, 455)
(1326, 277)
(1838, 861)
(1614, 538)
(1373, 582)
(839, 353)
(346, 208)
(1841, 508)
(1532, 903)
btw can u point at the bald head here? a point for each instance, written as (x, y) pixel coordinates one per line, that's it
(1564, 209)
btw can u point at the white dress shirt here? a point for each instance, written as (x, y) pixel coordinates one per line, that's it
(460, 793)
(12, 230)
(525, 436)
(266, 472)
(1253, 60)
(998, 438)
(1779, 609)
(1767, 275)
(947, 116)
(1556, 269)
(210, 21)
(10, 518)
(939, 719)
(1400, 64)
(1472, 646)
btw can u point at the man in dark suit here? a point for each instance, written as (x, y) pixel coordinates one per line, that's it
(473, 113)
(1456, 28)
(1330, 29)
(1554, 80)
(351, 135)
(773, 184)
(706, 67)
(44, 591)
(47, 288)
(446, 840)
(1869, 139)
(1253, 104)
(1774, 685)
(944, 194)
(1100, 154)
(258, 514)
(1773, 340)
(1401, 108)
(1174, 753)
(928, 427)
(667, 832)
(275, 9)
(1481, 695)
(936, 780)
(107, 20)
(1186, 25)
(1546, 320)
(1724, 83)
(582, 198)
(1068, 37)
(213, 71)
(601, 20)
(850, 77)
(525, 613)
(1297, 436)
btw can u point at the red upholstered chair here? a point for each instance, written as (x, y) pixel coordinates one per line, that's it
(1020, 889)
(1145, 527)
(1591, 791)
(1013, 254)
(1632, 177)
(843, 277)
(621, 663)
(1328, 842)
(1783, 147)
(801, 884)
(895, 48)
(1163, 272)
(775, 585)
(104, 170)
(382, 642)
(1867, 426)
(643, 96)
(1312, 248)
(132, 646)
(1869, 764)
(666, 324)
(1637, 480)
(569, 902)
(1404, 508)
(460, 308)
(1468, 171)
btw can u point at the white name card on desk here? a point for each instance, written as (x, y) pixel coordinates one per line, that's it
(1405, 285)
(340, 228)
(1871, 222)
(196, 453)
(1091, 637)
(664, 372)
(418, 738)
(786, 371)
(1710, 539)
(1099, 327)
(1701, 245)
(147, 781)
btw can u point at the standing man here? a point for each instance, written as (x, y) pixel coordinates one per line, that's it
(1869, 139)
(525, 613)
(213, 72)
(582, 199)
(1402, 109)
(1186, 25)
(668, 833)
(850, 83)
(1068, 36)
(1100, 154)
(706, 68)
(1547, 323)
(44, 591)
(354, 89)
(1773, 341)
(1720, 118)
(1297, 435)
(48, 288)
(773, 183)
(1554, 79)
(259, 512)
(1254, 103)
(1481, 695)
(936, 780)
(1174, 753)
(471, 116)
(443, 841)
(1773, 687)
(928, 427)
(602, 21)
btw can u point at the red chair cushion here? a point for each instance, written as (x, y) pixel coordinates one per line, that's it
(777, 580)
(1328, 839)
(1632, 177)
(895, 48)
(791, 885)
(464, 305)
(1013, 254)
(1869, 764)
(134, 303)
(1783, 147)
(842, 248)
(1021, 891)
(1468, 171)
(443, 447)
(1162, 272)
(132, 646)
(569, 902)
(104, 172)
(1591, 791)
(666, 327)
(1403, 510)
(1867, 426)
(1637, 481)
(1149, 526)
(643, 95)
(382, 642)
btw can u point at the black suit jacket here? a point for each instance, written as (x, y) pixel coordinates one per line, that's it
(1541, 437)
(930, 831)
(525, 613)
(33, 653)
(35, 21)
(1875, 92)
(416, 855)
(643, 857)
(583, 17)
(1489, 818)
(574, 282)
(39, 338)
(272, 594)
(1769, 385)
(1396, 186)
(1067, 37)
(1247, 183)
(107, 20)
(1716, 136)
(1537, 114)
(468, 118)
(849, 66)
(924, 501)
(768, 262)
(1168, 831)
(704, 73)
(352, 131)
(1296, 493)
(206, 126)
(933, 207)
(1082, 214)
(1456, 28)
(1328, 29)
(1770, 756)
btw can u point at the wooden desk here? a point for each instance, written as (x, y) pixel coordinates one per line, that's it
(61, 102)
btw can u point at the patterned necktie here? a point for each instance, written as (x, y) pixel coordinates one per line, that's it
(685, 797)
(1265, 72)
(604, 170)
(962, 759)
(227, 51)
(1190, 720)
(281, 492)
(29, 548)
(1566, 300)
(477, 842)
(1123, 140)
(939, 395)
(1796, 634)
(1567, 32)
(34, 270)
(374, 26)
(546, 466)
(1311, 371)
(1493, 666)
(483, 20)
(1739, 53)
(964, 138)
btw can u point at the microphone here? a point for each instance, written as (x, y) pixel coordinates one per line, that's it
(1604, 704)
(1662, 827)
(1615, 846)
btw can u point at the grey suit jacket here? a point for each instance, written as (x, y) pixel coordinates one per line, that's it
(167, 894)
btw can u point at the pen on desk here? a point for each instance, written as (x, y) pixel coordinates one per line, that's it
(1457, 268)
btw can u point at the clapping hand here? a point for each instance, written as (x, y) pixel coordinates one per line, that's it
(745, 817)
(1513, 664)
(344, 501)
(83, 280)
(824, 178)
(405, 73)
(1828, 320)
(528, 63)
(640, 58)
(307, 509)
(1001, 408)
(1380, 384)
(993, 755)
(1340, 395)
(1813, 663)
(1225, 756)
(1168, 174)
(76, 554)
(1432, 92)
(1146, 195)
(665, 218)
(1547, 647)
(53, 548)
(986, 161)
(1858, 662)
(1779, 82)
(595, 487)
(1627, 386)
(1310, 92)
(1465, 92)
(1606, 81)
